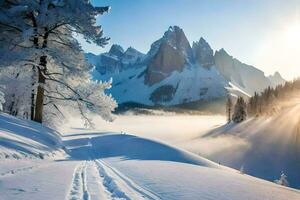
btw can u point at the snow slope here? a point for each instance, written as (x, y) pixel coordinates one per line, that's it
(21, 138)
(209, 85)
(273, 140)
(122, 166)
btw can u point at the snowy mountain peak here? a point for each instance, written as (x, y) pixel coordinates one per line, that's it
(131, 56)
(202, 42)
(116, 50)
(168, 54)
(133, 51)
(222, 52)
(277, 75)
(173, 72)
(203, 53)
(276, 79)
(176, 38)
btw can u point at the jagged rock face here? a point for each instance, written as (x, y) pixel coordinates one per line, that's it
(225, 64)
(276, 79)
(116, 59)
(168, 54)
(176, 38)
(164, 63)
(174, 73)
(116, 50)
(163, 94)
(132, 56)
(203, 54)
(108, 64)
(247, 77)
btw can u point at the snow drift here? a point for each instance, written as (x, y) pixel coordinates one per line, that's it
(19, 138)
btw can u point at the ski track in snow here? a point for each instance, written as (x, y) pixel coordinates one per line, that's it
(96, 180)
(120, 185)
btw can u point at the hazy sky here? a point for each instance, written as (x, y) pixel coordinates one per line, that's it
(263, 33)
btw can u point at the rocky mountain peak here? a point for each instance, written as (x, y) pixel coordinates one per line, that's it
(176, 38)
(203, 53)
(131, 55)
(168, 54)
(276, 79)
(116, 50)
(163, 64)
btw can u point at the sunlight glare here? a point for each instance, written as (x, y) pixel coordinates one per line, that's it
(293, 34)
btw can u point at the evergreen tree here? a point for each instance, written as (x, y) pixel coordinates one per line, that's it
(268, 102)
(240, 113)
(229, 109)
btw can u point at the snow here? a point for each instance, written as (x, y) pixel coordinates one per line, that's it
(129, 86)
(107, 165)
(204, 77)
(23, 138)
(236, 91)
(274, 140)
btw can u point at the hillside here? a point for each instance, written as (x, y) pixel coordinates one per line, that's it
(121, 166)
(274, 140)
(21, 138)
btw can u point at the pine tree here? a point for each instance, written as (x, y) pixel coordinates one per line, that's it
(229, 109)
(240, 113)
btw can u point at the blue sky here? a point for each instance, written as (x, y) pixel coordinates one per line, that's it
(254, 31)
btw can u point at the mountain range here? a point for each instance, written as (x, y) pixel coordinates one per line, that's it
(174, 72)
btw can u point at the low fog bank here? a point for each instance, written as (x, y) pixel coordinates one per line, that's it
(181, 130)
(170, 128)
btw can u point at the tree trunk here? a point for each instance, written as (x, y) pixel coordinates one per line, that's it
(39, 103)
(32, 94)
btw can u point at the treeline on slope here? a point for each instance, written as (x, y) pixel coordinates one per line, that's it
(267, 102)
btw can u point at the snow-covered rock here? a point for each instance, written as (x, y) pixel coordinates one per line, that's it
(246, 77)
(173, 72)
(276, 79)
(116, 50)
(115, 60)
(203, 53)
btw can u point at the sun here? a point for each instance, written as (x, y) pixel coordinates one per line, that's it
(292, 33)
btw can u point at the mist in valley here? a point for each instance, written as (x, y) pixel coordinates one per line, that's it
(182, 130)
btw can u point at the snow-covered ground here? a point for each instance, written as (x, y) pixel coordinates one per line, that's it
(21, 138)
(106, 165)
(160, 126)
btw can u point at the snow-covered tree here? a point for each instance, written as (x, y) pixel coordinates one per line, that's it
(17, 91)
(2, 100)
(38, 37)
(240, 113)
(283, 180)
